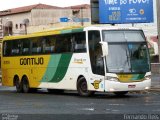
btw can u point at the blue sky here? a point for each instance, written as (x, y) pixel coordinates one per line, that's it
(7, 4)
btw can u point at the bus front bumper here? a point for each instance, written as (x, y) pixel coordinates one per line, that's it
(112, 86)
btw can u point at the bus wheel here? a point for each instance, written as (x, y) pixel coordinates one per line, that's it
(25, 85)
(121, 93)
(82, 87)
(18, 85)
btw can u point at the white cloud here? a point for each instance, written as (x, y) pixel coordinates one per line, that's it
(7, 4)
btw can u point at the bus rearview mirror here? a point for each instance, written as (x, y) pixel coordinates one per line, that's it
(104, 48)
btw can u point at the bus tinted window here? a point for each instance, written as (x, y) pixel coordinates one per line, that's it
(7, 48)
(63, 43)
(79, 42)
(26, 47)
(49, 46)
(37, 45)
(16, 47)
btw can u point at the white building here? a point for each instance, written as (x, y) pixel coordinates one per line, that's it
(29, 19)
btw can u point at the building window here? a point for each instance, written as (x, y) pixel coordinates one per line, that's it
(16, 26)
(21, 26)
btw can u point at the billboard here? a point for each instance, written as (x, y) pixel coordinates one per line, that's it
(125, 11)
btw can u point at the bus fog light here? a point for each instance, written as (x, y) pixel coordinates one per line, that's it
(147, 88)
(111, 89)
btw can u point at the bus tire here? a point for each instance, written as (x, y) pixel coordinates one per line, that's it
(82, 87)
(25, 85)
(18, 85)
(122, 93)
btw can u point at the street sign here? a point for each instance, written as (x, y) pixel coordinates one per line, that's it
(75, 19)
(125, 11)
(64, 19)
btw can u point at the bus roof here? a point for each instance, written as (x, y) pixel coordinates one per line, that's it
(47, 33)
(110, 28)
(68, 30)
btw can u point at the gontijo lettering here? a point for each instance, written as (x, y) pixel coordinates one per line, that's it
(32, 61)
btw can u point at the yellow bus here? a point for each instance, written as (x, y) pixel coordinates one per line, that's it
(87, 59)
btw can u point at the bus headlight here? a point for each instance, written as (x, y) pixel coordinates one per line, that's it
(112, 79)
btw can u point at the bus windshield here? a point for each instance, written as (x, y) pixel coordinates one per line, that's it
(128, 51)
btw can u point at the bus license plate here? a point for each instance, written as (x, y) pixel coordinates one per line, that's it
(131, 86)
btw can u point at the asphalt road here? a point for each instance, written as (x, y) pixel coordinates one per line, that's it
(69, 105)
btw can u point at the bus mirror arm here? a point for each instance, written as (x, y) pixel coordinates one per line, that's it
(104, 48)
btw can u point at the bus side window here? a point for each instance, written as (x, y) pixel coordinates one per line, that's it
(7, 48)
(79, 42)
(49, 44)
(26, 46)
(59, 46)
(16, 47)
(63, 43)
(37, 45)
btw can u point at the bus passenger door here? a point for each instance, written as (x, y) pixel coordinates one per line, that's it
(96, 60)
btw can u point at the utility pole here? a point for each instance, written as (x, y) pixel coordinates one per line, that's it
(158, 25)
(82, 16)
